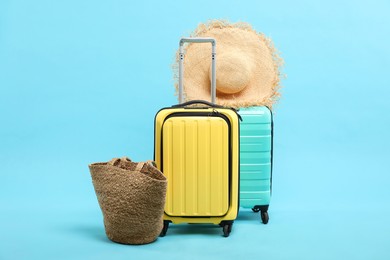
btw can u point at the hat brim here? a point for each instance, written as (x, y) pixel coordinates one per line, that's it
(264, 83)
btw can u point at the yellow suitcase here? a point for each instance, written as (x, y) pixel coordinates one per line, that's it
(197, 148)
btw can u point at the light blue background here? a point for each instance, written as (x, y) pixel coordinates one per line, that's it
(81, 82)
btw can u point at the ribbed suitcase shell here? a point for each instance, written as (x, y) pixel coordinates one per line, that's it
(196, 160)
(200, 157)
(256, 156)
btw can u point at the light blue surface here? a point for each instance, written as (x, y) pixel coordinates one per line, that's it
(78, 85)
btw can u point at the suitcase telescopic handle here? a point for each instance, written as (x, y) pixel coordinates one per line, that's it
(213, 70)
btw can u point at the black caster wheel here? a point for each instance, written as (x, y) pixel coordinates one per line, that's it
(264, 217)
(255, 210)
(165, 229)
(227, 228)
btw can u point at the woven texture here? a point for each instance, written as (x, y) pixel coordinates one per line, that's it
(132, 198)
(247, 66)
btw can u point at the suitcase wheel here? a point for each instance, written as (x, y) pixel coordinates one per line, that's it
(263, 212)
(227, 228)
(255, 209)
(264, 217)
(165, 228)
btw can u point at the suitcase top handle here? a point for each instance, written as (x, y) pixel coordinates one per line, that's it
(204, 102)
(193, 102)
(213, 70)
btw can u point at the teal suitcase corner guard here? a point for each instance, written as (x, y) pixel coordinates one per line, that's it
(256, 137)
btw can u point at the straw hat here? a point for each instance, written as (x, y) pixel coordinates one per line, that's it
(247, 66)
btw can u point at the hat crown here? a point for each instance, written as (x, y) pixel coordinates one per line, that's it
(234, 72)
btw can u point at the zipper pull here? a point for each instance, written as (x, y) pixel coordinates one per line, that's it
(236, 110)
(214, 112)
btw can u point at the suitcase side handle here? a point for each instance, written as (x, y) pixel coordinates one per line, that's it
(213, 58)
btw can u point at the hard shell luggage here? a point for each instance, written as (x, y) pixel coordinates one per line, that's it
(197, 149)
(256, 138)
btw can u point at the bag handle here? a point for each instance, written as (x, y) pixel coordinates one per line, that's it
(213, 70)
(114, 161)
(141, 165)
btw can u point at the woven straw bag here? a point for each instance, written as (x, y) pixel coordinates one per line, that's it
(132, 198)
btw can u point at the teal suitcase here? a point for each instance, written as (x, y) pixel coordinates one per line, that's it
(256, 141)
